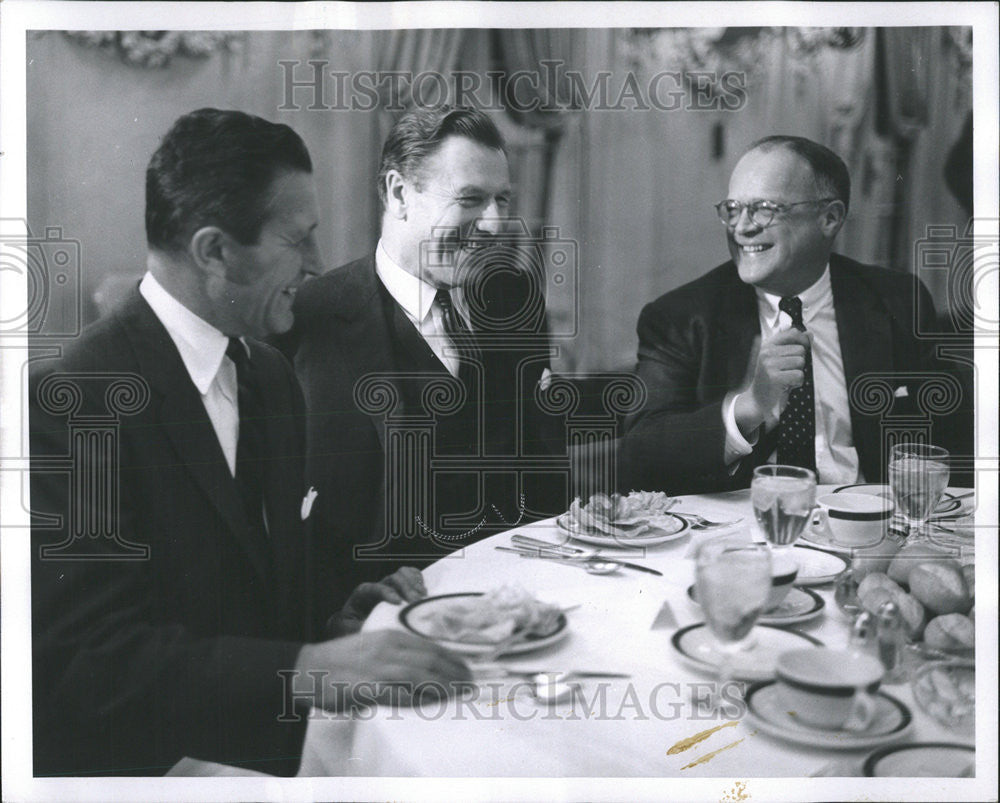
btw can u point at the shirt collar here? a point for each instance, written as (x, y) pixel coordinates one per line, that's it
(814, 298)
(200, 344)
(411, 293)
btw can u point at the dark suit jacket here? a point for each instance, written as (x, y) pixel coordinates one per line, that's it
(347, 327)
(138, 663)
(694, 344)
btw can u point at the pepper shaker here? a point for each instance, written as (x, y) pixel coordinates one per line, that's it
(891, 642)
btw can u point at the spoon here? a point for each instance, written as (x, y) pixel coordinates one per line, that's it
(598, 566)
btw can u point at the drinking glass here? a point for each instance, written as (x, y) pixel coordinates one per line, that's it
(732, 581)
(918, 476)
(783, 499)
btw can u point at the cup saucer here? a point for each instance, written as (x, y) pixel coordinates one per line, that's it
(892, 720)
(801, 605)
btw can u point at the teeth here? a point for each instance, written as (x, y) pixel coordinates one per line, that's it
(754, 249)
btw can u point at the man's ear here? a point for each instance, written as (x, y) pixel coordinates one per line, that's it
(832, 218)
(208, 250)
(397, 192)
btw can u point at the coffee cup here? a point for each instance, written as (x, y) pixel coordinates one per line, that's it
(849, 519)
(829, 689)
(784, 570)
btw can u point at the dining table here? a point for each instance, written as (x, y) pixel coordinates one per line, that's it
(645, 719)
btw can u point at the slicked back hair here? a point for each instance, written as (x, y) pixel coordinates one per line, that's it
(418, 134)
(214, 168)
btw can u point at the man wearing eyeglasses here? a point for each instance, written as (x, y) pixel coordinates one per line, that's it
(754, 361)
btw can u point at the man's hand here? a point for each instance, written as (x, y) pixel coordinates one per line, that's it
(774, 368)
(404, 585)
(384, 666)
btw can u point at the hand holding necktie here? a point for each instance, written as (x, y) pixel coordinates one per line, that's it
(776, 366)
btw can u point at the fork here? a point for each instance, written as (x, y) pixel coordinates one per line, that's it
(701, 523)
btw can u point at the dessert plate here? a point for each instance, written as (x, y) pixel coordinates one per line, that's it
(947, 504)
(696, 644)
(922, 760)
(816, 566)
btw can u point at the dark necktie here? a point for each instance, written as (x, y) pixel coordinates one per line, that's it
(457, 331)
(797, 427)
(250, 445)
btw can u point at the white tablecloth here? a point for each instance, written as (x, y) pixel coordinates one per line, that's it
(627, 729)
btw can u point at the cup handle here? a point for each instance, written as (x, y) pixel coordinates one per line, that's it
(862, 712)
(820, 522)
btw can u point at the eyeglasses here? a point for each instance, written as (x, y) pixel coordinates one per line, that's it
(761, 213)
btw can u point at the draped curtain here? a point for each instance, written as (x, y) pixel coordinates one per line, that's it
(631, 189)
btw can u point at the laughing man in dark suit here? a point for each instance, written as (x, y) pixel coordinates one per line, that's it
(441, 303)
(754, 361)
(188, 650)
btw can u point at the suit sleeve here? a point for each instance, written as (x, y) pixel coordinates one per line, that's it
(120, 688)
(676, 443)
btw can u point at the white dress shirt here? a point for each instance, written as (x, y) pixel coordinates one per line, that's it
(203, 351)
(416, 297)
(836, 458)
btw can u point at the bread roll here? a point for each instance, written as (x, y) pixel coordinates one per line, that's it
(909, 557)
(874, 559)
(913, 614)
(969, 573)
(952, 631)
(941, 587)
(874, 581)
(877, 589)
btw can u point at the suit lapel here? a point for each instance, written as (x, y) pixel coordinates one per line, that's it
(367, 346)
(738, 323)
(862, 325)
(865, 347)
(182, 416)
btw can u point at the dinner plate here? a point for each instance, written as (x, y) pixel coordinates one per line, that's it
(800, 605)
(892, 721)
(414, 617)
(922, 760)
(816, 566)
(696, 644)
(948, 503)
(568, 524)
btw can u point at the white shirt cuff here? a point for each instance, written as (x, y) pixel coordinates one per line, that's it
(737, 446)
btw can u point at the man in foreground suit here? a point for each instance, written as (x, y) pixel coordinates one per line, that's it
(201, 647)
(754, 361)
(442, 299)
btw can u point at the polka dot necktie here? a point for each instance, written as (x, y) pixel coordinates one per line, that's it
(797, 426)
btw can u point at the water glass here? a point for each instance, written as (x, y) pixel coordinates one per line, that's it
(918, 477)
(732, 580)
(783, 498)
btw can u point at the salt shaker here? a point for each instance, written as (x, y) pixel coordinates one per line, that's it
(891, 641)
(864, 635)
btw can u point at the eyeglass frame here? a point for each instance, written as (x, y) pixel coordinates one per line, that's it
(755, 206)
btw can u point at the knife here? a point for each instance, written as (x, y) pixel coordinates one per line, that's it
(540, 553)
(524, 540)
